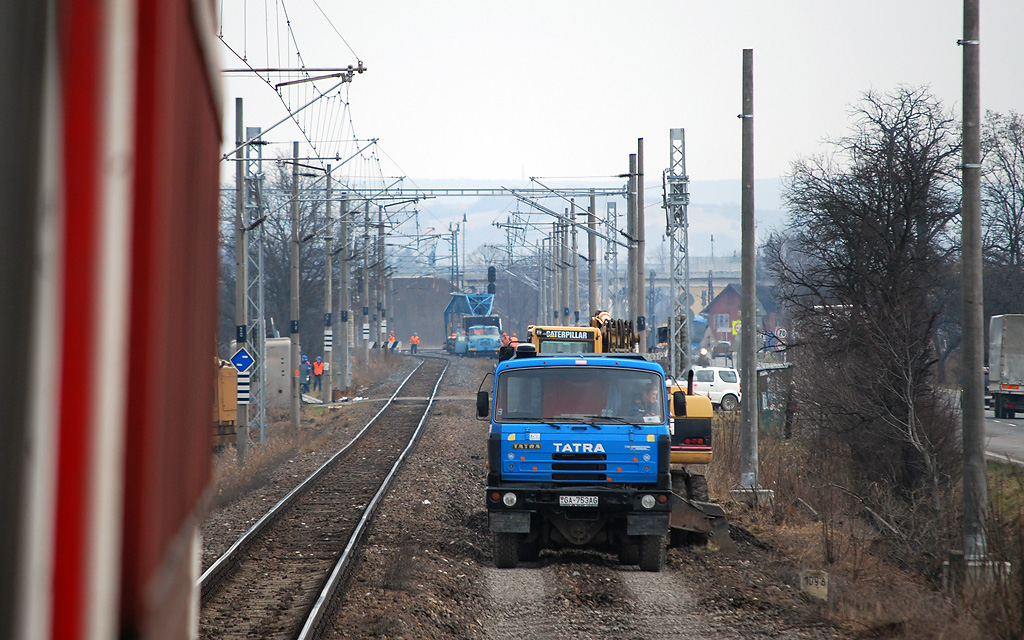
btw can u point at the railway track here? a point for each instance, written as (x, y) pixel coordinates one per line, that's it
(279, 578)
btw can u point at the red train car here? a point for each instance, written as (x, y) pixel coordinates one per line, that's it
(108, 268)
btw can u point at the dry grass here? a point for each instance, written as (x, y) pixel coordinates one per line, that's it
(874, 592)
(380, 367)
(231, 479)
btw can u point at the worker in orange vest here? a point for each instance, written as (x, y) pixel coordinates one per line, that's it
(318, 374)
(514, 341)
(414, 342)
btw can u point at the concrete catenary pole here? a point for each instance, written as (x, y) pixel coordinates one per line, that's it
(575, 267)
(345, 375)
(556, 275)
(364, 289)
(329, 359)
(545, 274)
(294, 264)
(540, 283)
(592, 289)
(563, 262)
(641, 248)
(631, 309)
(378, 285)
(545, 265)
(241, 277)
(748, 365)
(382, 287)
(973, 410)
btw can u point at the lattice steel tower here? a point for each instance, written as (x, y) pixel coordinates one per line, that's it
(676, 194)
(255, 311)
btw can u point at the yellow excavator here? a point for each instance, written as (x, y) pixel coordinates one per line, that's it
(604, 335)
(694, 517)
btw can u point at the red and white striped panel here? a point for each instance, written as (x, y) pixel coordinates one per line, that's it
(77, 488)
(111, 486)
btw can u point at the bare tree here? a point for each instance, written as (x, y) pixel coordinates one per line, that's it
(1003, 212)
(275, 231)
(861, 270)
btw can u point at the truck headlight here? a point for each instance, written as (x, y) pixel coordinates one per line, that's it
(510, 499)
(647, 502)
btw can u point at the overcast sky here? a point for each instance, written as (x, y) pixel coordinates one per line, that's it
(495, 92)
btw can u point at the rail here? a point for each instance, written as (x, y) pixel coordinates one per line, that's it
(309, 499)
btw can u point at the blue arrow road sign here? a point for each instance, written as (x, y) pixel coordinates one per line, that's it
(242, 360)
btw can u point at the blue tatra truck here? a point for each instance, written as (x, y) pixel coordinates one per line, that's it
(578, 454)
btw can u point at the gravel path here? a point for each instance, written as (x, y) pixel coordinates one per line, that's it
(427, 571)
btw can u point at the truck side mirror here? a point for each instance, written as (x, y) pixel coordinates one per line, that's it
(483, 404)
(679, 403)
(506, 352)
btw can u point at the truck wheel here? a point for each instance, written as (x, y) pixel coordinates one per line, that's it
(729, 403)
(629, 553)
(506, 550)
(529, 551)
(652, 553)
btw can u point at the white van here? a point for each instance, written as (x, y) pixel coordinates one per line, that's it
(720, 384)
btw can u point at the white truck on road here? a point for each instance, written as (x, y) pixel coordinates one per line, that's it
(1006, 364)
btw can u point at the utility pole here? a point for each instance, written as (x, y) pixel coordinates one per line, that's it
(575, 267)
(241, 278)
(455, 277)
(542, 278)
(365, 295)
(329, 290)
(564, 264)
(389, 300)
(345, 375)
(381, 323)
(652, 307)
(973, 410)
(748, 364)
(641, 248)
(556, 274)
(631, 307)
(294, 332)
(593, 294)
(551, 274)
(711, 272)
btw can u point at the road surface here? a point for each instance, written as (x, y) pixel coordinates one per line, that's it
(1004, 438)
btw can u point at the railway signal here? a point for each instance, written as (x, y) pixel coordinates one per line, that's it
(242, 360)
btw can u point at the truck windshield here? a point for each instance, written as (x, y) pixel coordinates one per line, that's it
(596, 395)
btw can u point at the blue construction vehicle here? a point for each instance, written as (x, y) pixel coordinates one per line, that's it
(466, 319)
(578, 454)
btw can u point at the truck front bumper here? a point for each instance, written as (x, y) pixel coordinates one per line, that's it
(611, 504)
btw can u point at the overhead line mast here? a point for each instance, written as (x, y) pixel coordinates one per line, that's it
(676, 194)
